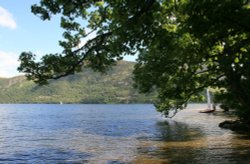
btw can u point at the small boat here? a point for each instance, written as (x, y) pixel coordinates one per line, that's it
(209, 109)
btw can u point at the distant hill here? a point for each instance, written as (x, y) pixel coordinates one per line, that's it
(85, 87)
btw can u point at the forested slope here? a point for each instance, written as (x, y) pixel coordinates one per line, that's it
(116, 86)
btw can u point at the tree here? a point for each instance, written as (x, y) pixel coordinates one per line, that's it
(115, 24)
(208, 48)
(184, 46)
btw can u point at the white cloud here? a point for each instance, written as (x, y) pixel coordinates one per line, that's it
(8, 64)
(6, 19)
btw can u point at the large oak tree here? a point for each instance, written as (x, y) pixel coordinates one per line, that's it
(184, 46)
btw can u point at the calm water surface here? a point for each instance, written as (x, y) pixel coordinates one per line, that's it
(116, 134)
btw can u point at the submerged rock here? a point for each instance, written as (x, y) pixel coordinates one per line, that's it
(235, 125)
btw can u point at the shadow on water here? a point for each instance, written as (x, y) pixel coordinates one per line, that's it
(173, 142)
(179, 143)
(176, 131)
(50, 155)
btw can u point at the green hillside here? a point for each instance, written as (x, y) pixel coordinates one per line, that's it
(85, 87)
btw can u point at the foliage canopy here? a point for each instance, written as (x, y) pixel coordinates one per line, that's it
(184, 46)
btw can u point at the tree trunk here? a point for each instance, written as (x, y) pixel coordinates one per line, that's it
(235, 86)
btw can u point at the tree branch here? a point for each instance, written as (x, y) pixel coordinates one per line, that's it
(79, 62)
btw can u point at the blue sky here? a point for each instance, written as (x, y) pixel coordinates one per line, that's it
(20, 31)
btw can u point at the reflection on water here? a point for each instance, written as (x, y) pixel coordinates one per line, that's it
(192, 137)
(116, 134)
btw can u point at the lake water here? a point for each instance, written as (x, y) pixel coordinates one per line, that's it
(116, 134)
